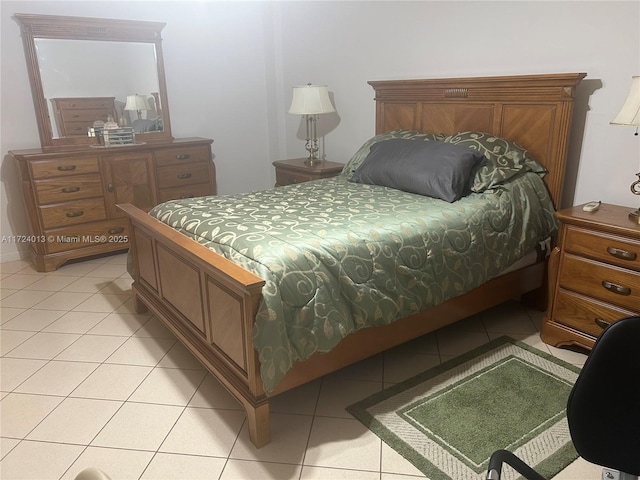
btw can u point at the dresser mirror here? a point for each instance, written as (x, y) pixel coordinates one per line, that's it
(87, 69)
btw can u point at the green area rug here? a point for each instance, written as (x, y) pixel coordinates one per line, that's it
(448, 420)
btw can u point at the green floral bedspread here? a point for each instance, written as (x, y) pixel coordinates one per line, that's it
(338, 256)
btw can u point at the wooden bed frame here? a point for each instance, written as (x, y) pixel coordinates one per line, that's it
(210, 303)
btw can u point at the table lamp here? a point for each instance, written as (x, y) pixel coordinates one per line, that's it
(311, 100)
(630, 115)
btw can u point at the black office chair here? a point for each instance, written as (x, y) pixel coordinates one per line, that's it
(603, 410)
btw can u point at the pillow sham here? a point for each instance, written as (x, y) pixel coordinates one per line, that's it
(433, 168)
(363, 151)
(503, 159)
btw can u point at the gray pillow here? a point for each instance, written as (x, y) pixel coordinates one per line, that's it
(434, 169)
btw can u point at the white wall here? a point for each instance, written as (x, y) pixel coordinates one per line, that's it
(230, 67)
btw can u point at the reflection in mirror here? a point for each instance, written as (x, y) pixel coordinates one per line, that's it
(78, 93)
(84, 70)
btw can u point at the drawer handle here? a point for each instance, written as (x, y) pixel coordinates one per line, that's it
(113, 231)
(66, 168)
(601, 323)
(182, 176)
(77, 129)
(77, 213)
(615, 288)
(621, 254)
(75, 115)
(110, 187)
(70, 189)
(187, 195)
(183, 156)
(293, 180)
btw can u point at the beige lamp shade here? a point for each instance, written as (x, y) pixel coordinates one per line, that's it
(137, 103)
(630, 112)
(311, 100)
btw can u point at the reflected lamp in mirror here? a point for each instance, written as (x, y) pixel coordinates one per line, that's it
(630, 115)
(310, 101)
(137, 103)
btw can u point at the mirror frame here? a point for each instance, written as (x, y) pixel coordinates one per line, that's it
(84, 28)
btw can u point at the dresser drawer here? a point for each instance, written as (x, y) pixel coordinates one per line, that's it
(72, 213)
(86, 115)
(289, 178)
(610, 284)
(85, 102)
(624, 252)
(66, 166)
(182, 174)
(187, 191)
(585, 314)
(77, 128)
(114, 233)
(173, 156)
(62, 189)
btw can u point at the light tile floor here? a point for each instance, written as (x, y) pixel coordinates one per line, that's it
(85, 381)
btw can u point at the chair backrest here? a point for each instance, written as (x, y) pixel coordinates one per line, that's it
(603, 409)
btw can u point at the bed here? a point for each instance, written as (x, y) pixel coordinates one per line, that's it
(215, 302)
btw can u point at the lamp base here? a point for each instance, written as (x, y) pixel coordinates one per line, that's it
(635, 216)
(312, 162)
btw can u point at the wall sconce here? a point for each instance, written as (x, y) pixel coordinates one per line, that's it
(630, 115)
(311, 100)
(137, 103)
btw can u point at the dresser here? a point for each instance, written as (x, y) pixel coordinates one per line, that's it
(75, 115)
(594, 274)
(71, 196)
(295, 170)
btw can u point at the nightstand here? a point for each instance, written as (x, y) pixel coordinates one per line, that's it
(296, 171)
(594, 274)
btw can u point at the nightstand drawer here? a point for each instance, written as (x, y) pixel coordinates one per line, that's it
(173, 156)
(585, 314)
(187, 191)
(68, 166)
(71, 213)
(601, 246)
(288, 178)
(183, 174)
(63, 189)
(611, 284)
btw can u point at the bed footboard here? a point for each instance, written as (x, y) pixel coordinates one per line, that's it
(208, 302)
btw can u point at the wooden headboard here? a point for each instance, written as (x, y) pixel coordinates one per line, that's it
(532, 110)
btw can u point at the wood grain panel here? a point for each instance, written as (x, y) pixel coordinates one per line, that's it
(586, 276)
(113, 234)
(226, 334)
(173, 156)
(580, 312)
(183, 174)
(72, 213)
(62, 189)
(143, 251)
(530, 125)
(72, 165)
(130, 180)
(624, 252)
(398, 116)
(449, 119)
(180, 286)
(188, 191)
